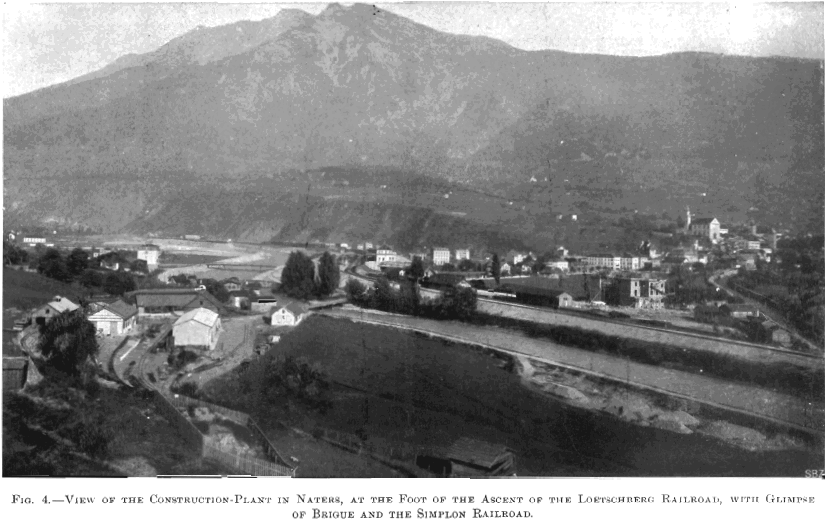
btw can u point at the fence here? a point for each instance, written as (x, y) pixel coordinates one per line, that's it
(182, 401)
(208, 448)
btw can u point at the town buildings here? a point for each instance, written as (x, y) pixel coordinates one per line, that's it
(165, 302)
(641, 292)
(114, 318)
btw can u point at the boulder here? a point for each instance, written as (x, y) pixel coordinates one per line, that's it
(669, 425)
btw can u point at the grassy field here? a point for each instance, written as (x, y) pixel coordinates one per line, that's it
(27, 290)
(397, 387)
(171, 258)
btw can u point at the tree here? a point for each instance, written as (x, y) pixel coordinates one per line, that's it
(416, 270)
(356, 291)
(458, 304)
(91, 278)
(77, 261)
(14, 255)
(68, 343)
(466, 265)
(139, 266)
(383, 295)
(52, 265)
(298, 276)
(496, 268)
(216, 289)
(448, 267)
(118, 283)
(329, 276)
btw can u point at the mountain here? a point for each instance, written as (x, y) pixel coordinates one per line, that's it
(360, 89)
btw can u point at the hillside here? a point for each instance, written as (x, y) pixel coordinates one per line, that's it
(360, 89)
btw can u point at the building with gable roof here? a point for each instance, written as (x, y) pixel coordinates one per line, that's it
(56, 306)
(113, 318)
(198, 328)
(289, 315)
(166, 302)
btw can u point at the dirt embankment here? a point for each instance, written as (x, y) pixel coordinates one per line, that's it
(683, 417)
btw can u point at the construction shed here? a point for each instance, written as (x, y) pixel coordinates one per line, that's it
(468, 457)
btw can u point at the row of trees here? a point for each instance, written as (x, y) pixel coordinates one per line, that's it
(458, 303)
(300, 281)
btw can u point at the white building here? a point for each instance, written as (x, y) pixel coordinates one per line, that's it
(114, 318)
(441, 256)
(289, 315)
(385, 255)
(150, 254)
(629, 262)
(708, 227)
(33, 241)
(198, 328)
(559, 264)
(461, 254)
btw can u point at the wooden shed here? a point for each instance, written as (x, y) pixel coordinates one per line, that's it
(199, 328)
(468, 457)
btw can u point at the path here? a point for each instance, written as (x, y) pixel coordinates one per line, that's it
(759, 402)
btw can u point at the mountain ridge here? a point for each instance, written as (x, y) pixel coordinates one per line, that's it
(361, 88)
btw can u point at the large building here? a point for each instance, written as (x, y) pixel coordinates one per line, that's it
(198, 328)
(441, 256)
(385, 255)
(641, 292)
(150, 254)
(708, 227)
(113, 318)
(609, 261)
(462, 254)
(164, 302)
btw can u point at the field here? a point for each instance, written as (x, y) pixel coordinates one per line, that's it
(398, 387)
(27, 290)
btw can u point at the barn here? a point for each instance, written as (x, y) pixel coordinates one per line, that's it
(198, 328)
(289, 315)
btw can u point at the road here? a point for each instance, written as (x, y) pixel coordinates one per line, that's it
(752, 400)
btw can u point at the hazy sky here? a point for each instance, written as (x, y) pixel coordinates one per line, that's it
(44, 44)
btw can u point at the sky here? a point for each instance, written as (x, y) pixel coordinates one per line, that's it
(46, 44)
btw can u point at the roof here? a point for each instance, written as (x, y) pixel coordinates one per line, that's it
(239, 293)
(295, 309)
(62, 305)
(122, 308)
(573, 285)
(476, 452)
(149, 246)
(203, 316)
(702, 221)
(174, 297)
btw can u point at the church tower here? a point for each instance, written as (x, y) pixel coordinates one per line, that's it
(687, 219)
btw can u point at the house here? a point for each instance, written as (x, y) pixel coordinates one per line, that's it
(56, 306)
(194, 237)
(368, 245)
(240, 299)
(630, 262)
(641, 292)
(384, 255)
(165, 302)
(343, 246)
(231, 284)
(739, 311)
(198, 328)
(150, 254)
(462, 254)
(262, 304)
(505, 269)
(469, 457)
(440, 256)
(114, 318)
(779, 335)
(289, 315)
(562, 265)
(514, 257)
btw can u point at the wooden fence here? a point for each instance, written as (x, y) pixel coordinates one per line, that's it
(175, 410)
(183, 402)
